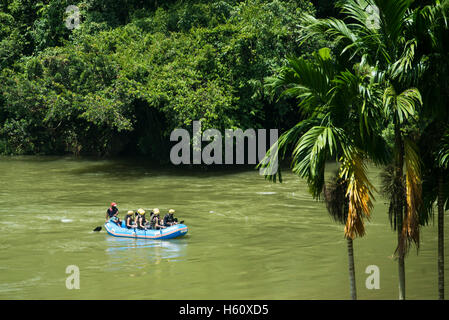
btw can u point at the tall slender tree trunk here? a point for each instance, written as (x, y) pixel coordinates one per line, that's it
(399, 206)
(440, 236)
(401, 272)
(353, 289)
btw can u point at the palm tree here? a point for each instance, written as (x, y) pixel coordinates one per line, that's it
(339, 125)
(435, 145)
(432, 33)
(377, 31)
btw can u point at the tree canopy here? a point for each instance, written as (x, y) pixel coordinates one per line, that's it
(135, 70)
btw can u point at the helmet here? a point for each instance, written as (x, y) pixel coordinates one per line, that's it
(171, 211)
(156, 211)
(113, 204)
(141, 211)
(130, 212)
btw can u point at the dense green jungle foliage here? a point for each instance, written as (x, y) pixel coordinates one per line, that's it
(132, 71)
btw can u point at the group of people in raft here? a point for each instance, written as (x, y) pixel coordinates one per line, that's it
(138, 219)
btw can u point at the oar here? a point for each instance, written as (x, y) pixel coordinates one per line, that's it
(97, 229)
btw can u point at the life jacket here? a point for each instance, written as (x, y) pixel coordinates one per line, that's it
(169, 218)
(112, 211)
(142, 224)
(154, 218)
(130, 219)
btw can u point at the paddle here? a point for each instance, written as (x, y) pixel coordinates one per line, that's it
(97, 229)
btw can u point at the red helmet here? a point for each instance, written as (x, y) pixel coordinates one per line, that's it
(113, 204)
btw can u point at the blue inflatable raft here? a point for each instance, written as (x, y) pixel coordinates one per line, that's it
(175, 231)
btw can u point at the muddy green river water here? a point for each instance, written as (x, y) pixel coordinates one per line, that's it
(248, 238)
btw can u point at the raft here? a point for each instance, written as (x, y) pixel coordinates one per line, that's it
(172, 232)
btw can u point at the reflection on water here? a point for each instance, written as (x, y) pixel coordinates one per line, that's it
(152, 250)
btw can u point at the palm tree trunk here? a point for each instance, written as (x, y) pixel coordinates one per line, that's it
(399, 207)
(440, 236)
(353, 289)
(401, 272)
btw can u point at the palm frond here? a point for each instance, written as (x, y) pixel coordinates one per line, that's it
(337, 29)
(313, 149)
(307, 81)
(443, 151)
(309, 157)
(334, 27)
(391, 187)
(279, 149)
(401, 105)
(405, 63)
(334, 193)
(353, 170)
(392, 17)
(410, 227)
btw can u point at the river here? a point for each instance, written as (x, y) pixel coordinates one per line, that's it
(248, 238)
